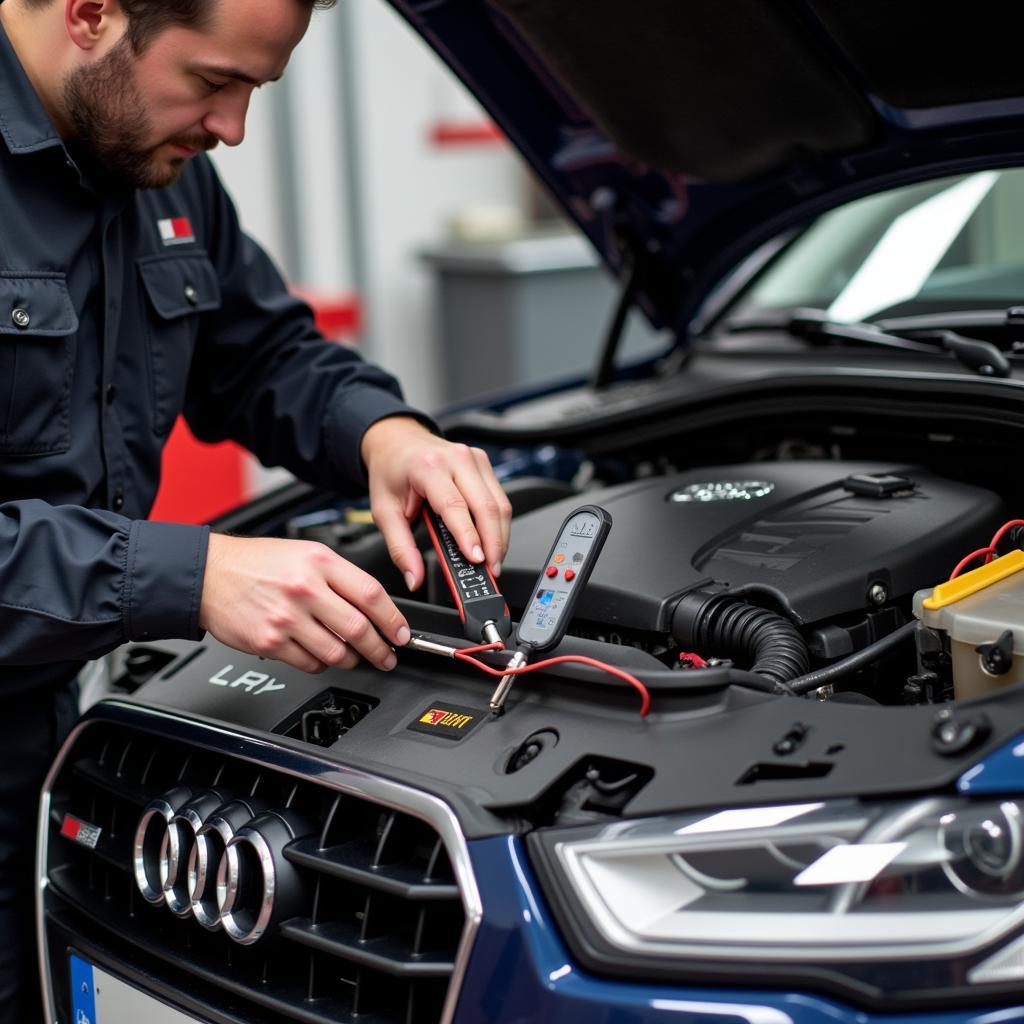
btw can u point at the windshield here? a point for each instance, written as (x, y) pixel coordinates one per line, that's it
(955, 243)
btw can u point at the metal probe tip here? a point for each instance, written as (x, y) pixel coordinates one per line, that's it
(419, 643)
(490, 633)
(501, 691)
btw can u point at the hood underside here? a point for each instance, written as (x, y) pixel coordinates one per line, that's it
(681, 136)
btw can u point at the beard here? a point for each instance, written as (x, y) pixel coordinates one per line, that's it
(107, 114)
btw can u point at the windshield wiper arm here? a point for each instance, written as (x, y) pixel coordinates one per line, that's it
(981, 356)
(1006, 318)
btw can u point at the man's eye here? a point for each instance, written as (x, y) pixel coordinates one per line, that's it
(211, 86)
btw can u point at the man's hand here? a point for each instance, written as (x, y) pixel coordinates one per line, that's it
(407, 465)
(298, 602)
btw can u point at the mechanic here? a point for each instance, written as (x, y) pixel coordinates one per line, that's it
(128, 293)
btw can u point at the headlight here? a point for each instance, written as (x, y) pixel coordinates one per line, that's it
(885, 901)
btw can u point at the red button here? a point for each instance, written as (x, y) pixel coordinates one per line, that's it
(550, 571)
(570, 574)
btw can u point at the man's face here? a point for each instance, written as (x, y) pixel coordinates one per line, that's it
(145, 115)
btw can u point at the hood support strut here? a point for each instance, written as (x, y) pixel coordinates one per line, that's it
(605, 367)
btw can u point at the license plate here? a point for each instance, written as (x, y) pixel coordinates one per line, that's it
(100, 998)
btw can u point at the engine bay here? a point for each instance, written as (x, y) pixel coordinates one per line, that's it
(717, 566)
(800, 546)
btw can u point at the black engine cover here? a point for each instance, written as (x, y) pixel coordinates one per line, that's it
(789, 534)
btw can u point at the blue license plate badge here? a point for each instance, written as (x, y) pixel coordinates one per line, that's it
(101, 998)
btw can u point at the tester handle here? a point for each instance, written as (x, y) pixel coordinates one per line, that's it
(481, 607)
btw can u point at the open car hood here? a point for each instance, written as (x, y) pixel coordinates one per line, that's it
(681, 137)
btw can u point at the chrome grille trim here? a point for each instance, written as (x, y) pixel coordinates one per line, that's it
(296, 763)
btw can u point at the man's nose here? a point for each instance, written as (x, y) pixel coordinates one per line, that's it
(227, 120)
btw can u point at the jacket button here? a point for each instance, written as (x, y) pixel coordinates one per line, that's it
(118, 502)
(191, 295)
(111, 394)
(20, 317)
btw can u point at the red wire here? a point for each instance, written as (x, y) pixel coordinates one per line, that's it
(1004, 530)
(966, 561)
(496, 646)
(989, 552)
(579, 659)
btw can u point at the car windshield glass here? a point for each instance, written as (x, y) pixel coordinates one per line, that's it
(951, 244)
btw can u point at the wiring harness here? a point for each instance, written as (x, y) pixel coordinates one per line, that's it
(1015, 527)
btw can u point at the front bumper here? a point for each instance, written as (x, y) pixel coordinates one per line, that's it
(509, 962)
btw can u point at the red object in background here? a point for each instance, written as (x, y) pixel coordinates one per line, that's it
(200, 481)
(465, 133)
(338, 315)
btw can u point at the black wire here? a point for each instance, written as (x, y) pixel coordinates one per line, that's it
(698, 680)
(805, 684)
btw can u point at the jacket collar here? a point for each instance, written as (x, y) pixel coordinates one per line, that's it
(24, 124)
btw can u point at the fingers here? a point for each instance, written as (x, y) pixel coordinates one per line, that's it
(393, 523)
(358, 609)
(298, 657)
(327, 647)
(406, 463)
(315, 650)
(473, 505)
(502, 507)
(297, 602)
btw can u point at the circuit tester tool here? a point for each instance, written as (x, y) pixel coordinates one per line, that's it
(483, 611)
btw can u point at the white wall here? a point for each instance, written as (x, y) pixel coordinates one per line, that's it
(409, 188)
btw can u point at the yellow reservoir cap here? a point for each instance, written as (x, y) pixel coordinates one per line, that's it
(971, 582)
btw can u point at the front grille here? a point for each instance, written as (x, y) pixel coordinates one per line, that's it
(378, 927)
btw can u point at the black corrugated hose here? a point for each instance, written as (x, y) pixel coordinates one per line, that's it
(728, 627)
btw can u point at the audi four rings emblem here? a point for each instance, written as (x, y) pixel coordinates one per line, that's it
(722, 490)
(214, 858)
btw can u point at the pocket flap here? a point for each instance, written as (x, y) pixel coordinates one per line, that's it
(36, 303)
(180, 284)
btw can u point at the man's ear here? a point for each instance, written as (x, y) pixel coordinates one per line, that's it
(93, 24)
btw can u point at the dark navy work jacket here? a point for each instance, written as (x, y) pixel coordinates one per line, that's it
(118, 310)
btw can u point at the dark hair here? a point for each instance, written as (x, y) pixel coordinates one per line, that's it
(148, 18)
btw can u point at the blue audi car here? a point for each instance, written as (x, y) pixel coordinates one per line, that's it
(767, 768)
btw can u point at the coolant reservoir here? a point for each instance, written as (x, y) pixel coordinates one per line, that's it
(974, 609)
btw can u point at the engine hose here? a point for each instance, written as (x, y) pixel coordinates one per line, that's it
(726, 626)
(838, 669)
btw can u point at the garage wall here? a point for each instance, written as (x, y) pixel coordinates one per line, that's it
(408, 187)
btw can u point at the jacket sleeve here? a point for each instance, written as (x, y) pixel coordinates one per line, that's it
(263, 376)
(79, 582)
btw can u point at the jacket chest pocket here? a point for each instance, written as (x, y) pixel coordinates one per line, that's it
(178, 287)
(37, 354)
